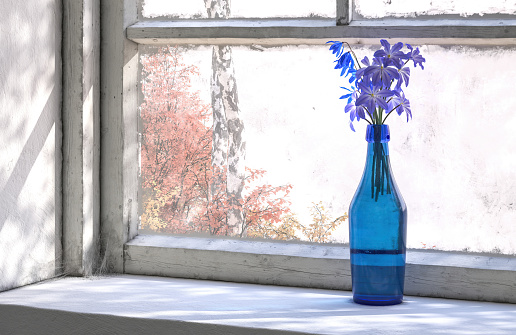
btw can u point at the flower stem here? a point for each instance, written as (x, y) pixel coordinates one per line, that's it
(353, 53)
(377, 181)
(371, 116)
(392, 110)
(373, 182)
(380, 178)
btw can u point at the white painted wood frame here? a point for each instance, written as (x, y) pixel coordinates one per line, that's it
(81, 136)
(319, 31)
(344, 12)
(119, 153)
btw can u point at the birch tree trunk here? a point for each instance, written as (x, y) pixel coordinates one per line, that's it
(228, 129)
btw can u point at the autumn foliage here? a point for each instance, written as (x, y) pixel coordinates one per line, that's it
(177, 172)
(176, 142)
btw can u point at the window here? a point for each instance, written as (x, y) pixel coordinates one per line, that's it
(295, 132)
(285, 151)
(459, 40)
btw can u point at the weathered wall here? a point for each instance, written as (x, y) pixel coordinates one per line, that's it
(30, 141)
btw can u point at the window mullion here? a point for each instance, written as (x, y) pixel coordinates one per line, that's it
(319, 31)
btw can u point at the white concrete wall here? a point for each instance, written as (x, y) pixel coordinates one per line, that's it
(30, 141)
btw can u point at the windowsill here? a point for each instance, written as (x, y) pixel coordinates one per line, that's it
(429, 273)
(152, 305)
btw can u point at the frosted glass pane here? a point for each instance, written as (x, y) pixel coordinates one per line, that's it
(453, 163)
(413, 8)
(241, 8)
(174, 8)
(283, 8)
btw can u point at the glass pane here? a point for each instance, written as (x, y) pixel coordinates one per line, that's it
(284, 8)
(452, 162)
(241, 8)
(174, 9)
(412, 8)
(289, 182)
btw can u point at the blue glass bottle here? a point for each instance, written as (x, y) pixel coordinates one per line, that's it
(377, 228)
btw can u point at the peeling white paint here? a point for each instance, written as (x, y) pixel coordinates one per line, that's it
(373, 9)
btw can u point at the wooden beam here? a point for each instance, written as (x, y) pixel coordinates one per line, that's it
(81, 136)
(343, 12)
(429, 273)
(318, 31)
(119, 132)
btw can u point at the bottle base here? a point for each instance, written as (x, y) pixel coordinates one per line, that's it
(377, 300)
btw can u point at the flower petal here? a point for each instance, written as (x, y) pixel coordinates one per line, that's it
(397, 47)
(362, 99)
(382, 103)
(361, 112)
(385, 44)
(380, 53)
(385, 93)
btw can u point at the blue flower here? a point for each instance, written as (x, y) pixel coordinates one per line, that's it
(346, 63)
(391, 54)
(415, 56)
(372, 96)
(404, 76)
(400, 104)
(360, 72)
(344, 60)
(352, 75)
(355, 112)
(381, 73)
(348, 96)
(336, 48)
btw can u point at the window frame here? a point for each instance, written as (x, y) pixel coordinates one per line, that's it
(429, 273)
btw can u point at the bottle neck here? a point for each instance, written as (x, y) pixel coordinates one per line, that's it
(376, 148)
(378, 133)
(377, 137)
(377, 177)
